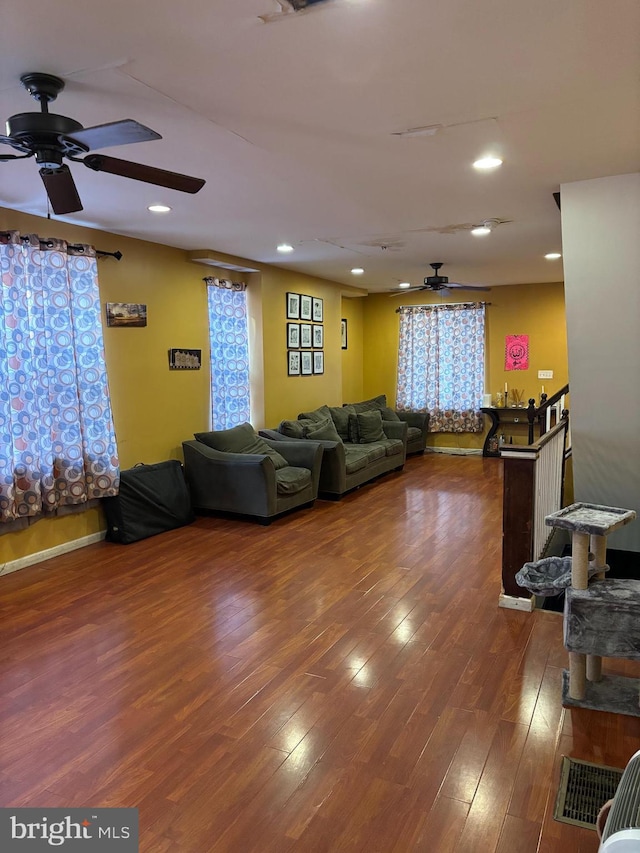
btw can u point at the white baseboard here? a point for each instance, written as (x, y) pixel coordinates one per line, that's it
(40, 556)
(511, 602)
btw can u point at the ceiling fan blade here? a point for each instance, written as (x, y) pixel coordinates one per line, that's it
(406, 290)
(148, 174)
(8, 140)
(123, 132)
(61, 190)
(467, 286)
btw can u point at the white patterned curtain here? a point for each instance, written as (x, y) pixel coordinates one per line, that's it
(229, 339)
(441, 365)
(57, 441)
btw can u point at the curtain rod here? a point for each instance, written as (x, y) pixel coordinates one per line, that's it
(439, 305)
(76, 246)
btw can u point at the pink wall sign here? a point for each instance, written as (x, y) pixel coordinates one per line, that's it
(516, 352)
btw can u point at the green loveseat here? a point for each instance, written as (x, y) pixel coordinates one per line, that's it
(417, 422)
(358, 446)
(236, 471)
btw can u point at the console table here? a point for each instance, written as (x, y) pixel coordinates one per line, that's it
(505, 415)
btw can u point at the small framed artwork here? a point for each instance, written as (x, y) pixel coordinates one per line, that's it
(318, 362)
(185, 359)
(306, 306)
(306, 363)
(293, 306)
(317, 310)
(305, 334)
(293, 335)
(293, 363)
(318, 336)
(343, 333)
(126, 314)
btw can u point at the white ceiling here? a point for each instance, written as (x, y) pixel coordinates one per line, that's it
(291, 123)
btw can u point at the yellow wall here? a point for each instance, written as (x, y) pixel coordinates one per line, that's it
(536, 310)
(352, 357)
(155, 409)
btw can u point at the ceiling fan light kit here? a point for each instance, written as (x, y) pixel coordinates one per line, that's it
(50, 138)
(437, 282)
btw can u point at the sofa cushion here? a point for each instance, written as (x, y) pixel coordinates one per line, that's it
(355, 458)
(414, 434)
(374, 452)
(322, 431)
(392, 446)
(353, 434)
(316, 415)
(291, 480)
(379, 402)
(240, 439)
(340, 417)
(292, 429)
(388, 414)
(370, 426)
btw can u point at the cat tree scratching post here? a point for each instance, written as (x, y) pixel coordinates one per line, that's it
(590, 629)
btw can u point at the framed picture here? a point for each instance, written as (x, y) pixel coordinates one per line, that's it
(293, 363)
(318, 362)
(293, 306)
(293, 335)
(126, 314)
(343, 333)
(317, 310)
(185, 359)
(306, 363)
(318, 336)
(305, 334)
(306, 305)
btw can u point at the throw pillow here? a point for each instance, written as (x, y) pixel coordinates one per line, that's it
(316, 415)
(354, 435)
(322, 431)
(367, 405)
(388, 414)
(370, 426)
(292, 429)
(340, 417)
(240, 439)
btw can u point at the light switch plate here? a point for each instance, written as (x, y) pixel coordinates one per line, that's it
(545, 374)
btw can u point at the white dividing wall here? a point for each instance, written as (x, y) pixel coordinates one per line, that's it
(601, 252)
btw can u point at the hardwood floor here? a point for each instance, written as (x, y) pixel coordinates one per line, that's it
(342, 680)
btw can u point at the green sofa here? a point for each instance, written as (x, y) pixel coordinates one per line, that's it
(236, 471)
(417, 422)
(358, 446)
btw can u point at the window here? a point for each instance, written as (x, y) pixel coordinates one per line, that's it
(441, 365)
(229, 340)
(57, 441)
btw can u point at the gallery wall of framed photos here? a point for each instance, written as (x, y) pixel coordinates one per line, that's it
(305, 334)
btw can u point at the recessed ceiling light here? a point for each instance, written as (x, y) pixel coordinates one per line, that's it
(284, 248)
(159, 208)
(487, 163)
(553, 256)
(405, 284)
(357, 271)
(481, 231)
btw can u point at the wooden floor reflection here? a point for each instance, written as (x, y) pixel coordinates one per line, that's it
(342, 680)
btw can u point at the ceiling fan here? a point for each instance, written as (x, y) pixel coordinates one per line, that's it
(51, 137)
(437, 282)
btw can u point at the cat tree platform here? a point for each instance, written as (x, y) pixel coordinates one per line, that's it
(601, 619)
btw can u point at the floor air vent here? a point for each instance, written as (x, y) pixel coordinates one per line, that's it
(584, 789)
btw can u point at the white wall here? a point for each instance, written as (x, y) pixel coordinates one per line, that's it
(601, 251)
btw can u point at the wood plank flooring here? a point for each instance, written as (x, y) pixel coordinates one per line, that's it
(341, 680)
